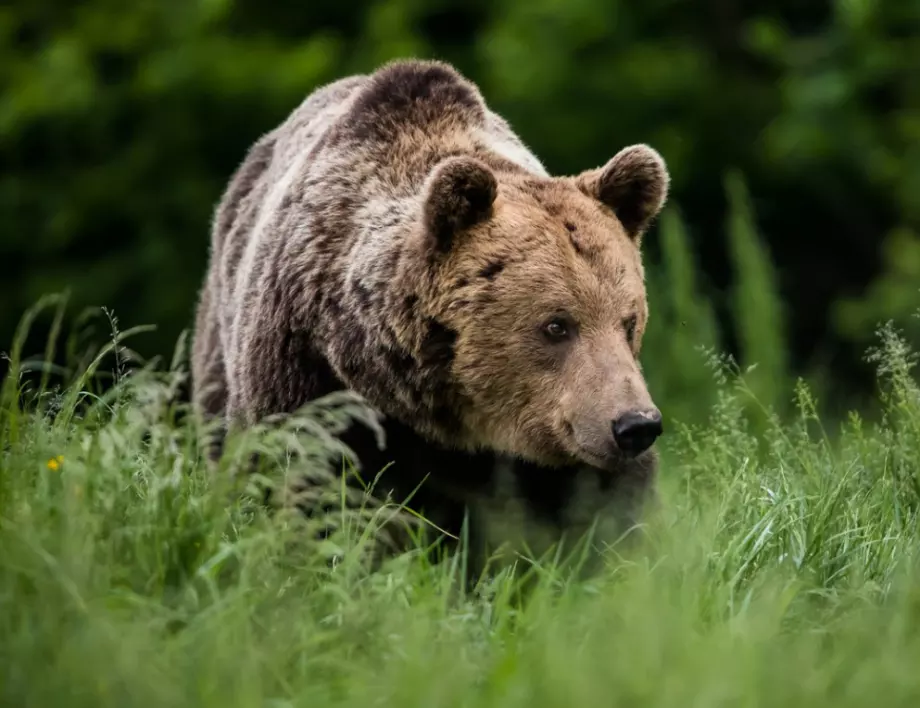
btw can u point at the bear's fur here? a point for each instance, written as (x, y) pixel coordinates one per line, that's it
(394, 237)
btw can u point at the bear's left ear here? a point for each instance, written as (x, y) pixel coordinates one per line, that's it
(634, 184)
(459, 194)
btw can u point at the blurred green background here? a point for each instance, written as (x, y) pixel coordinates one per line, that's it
(792, 131)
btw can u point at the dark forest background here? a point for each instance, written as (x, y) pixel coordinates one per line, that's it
(791, 128)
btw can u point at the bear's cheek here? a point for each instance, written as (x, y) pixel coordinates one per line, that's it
(496, 366)
(513, 401)
(537, 414)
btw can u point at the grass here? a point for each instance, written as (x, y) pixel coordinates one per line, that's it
(781, 569)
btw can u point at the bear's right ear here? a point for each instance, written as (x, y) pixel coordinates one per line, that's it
(634, 184)
(459, 194)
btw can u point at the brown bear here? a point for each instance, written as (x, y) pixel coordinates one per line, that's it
(395, 238)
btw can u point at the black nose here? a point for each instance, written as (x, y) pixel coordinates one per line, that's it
(635, 431)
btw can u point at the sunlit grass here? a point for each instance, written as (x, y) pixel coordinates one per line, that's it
(780, 569)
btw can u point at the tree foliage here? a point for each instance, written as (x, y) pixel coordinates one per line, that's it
(120, 124)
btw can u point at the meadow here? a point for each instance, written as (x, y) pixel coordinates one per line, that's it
(781, 565)
(779, 569)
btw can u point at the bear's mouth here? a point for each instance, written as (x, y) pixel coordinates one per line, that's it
(613, 462)
(581, 454)
(602, 455)
(607, 463)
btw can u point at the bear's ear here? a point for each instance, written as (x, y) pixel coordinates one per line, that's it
(634, 184)
(459, 194)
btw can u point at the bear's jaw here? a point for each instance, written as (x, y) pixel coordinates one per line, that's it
(616, 463)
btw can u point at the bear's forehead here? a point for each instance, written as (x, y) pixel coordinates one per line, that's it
(549, 245)
(541, 267)
(556, 219)
(592, 286)
(559, 207)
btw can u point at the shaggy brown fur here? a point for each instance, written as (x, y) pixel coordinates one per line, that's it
(394, 237)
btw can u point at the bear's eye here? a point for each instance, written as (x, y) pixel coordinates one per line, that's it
(629, 325)
(557, 329)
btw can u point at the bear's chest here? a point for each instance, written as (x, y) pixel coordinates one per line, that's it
(534, 513)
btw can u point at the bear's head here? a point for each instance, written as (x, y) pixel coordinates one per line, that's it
(541, 282)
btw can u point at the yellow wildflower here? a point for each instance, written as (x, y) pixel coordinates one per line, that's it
(54, 464)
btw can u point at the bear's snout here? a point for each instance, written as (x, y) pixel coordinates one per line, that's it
(636, 431)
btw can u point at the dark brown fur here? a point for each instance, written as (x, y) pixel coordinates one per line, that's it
(394, 237)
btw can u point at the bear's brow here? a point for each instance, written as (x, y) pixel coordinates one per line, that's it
(575, 240)
(584, 245)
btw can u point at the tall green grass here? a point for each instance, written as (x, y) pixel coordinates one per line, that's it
(780, 569)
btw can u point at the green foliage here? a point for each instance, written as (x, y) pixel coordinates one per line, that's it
(121, 123)
(683, 328)
(893, 296)
(119, 126)
(756, 301)
(133, 573)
